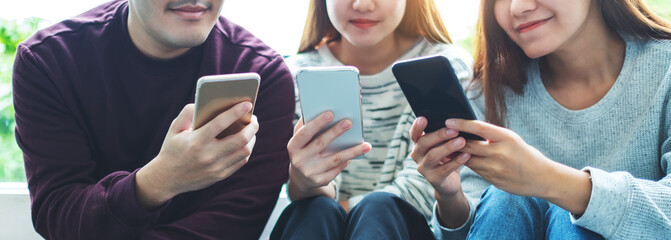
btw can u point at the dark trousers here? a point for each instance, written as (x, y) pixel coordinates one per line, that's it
(378, 216)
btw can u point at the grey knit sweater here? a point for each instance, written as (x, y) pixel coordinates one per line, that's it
(623, 140)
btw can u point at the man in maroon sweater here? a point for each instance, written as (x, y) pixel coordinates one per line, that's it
(103, 118)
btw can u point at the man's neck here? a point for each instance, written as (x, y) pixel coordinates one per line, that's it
(148, 45)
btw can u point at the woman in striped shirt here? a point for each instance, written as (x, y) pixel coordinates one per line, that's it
(370, 35)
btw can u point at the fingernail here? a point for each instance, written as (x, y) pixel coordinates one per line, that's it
(449, 123)
(451, 132)
(420, 120)
(458, 142)
(365, 148)
(327, 116)
(464, 156)
(345, 124)
(246, 106)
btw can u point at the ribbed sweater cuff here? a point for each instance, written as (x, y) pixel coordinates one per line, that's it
(441, 232)
(607, 205)
(122, 203)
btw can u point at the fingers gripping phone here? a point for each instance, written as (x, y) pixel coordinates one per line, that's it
(434, 91)
(334, 89)
(218, 93)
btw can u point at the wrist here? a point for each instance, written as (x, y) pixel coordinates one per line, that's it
(298, 192)
(453, 209)
(150, 193)
(575, 191)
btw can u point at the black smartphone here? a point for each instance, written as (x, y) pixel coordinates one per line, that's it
(433, 91)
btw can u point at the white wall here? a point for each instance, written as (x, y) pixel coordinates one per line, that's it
(15, 220)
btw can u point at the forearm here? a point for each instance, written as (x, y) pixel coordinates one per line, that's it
(573, 193)
(105, 210)
(453, 210)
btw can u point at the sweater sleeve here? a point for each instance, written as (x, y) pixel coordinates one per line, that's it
(624, 207)
(68, 201)
(405, 182)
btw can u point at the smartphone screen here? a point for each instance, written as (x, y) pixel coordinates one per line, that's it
(218, 93)
(433, 91)
(334, 89)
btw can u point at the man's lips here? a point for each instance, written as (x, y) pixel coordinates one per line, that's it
(528, 26)
(363, 23)
(189, 12)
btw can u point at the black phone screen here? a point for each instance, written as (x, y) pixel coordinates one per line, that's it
(433, 91)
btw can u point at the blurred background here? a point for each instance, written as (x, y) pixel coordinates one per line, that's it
(278, 23)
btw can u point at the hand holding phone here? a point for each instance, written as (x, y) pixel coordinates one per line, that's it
(331, 133)
(433, 90)
(201, 158)
(334, 89)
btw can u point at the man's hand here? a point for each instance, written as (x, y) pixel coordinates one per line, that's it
(190, 159)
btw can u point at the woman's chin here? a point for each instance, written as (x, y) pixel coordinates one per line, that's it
(535, 52)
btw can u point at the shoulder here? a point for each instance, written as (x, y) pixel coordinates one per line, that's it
(461, 60)
(305, 59)
(662, 47)
(240, 50)
(450, 50)
(237, 39)
(78, 27)
(649, 52)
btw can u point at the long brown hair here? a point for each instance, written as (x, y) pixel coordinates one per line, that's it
(421, 18)
(500, 63)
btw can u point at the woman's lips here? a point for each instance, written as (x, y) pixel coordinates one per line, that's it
(528, 26)
(189, 12)
(363, 23)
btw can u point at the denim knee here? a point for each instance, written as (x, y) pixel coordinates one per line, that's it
(497, 198)
(321, 203)
(501, 214)
(312, 218)
(378, 200)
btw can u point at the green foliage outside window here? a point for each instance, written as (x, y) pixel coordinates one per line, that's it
(13, 32)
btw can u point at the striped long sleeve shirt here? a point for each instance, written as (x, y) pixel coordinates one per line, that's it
(386, 120)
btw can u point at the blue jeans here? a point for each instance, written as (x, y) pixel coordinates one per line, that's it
(501, 215)
(378, 216)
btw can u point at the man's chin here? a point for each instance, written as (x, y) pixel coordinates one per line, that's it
(188, 42)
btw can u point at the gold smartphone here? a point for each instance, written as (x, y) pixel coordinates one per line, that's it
(218, 93)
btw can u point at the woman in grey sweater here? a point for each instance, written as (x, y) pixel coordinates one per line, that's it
(576, 98)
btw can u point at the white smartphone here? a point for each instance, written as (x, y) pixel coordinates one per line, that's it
(217, 93)
(334, 89)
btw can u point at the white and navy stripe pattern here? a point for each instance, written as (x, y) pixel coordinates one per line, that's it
(386, 121)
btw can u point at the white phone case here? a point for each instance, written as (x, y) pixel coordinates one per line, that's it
(334, 89)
